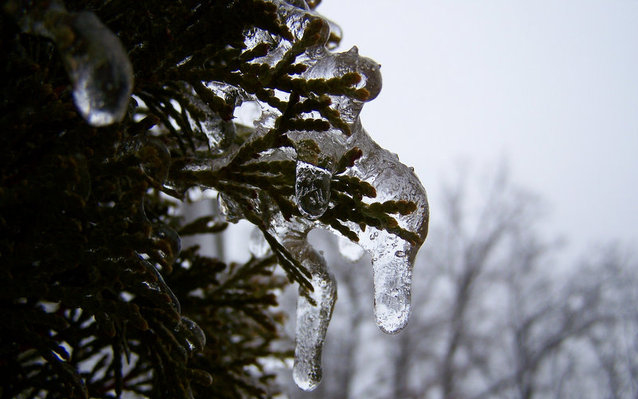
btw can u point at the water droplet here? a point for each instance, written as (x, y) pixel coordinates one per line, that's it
(312, 189)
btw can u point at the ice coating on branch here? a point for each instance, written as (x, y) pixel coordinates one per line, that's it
(339, 64)
(220, 133)
(312, 189)
(312, 319)
(94, 58)
(229, 209)
(169, 241)
(257, 245)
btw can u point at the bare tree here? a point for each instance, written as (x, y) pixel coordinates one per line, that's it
(495, 312)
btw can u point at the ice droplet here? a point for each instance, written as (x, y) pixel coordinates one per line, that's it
(257, 245)
(312, 321)
(312, 189)
(94, 58)
(350, 250)
(99, 69)
(192, 334)
(168, 240)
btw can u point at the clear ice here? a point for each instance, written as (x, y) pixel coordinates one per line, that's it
(392, 256)
(99, 69)
(94, 58)
(229, 210)
(312, 189)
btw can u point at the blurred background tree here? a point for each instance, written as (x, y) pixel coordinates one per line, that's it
(499, 311)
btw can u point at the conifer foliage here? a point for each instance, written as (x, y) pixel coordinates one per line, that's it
(111, 113)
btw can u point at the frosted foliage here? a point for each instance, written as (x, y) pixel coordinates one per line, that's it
(312, 189)
(350, 250)
(312, 320)
(395, 202)
(94, 58)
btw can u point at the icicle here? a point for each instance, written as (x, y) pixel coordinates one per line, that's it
(94, 58)
(312, 189)
(392, 284)
(350, 250)
(312, 321)
(392, 256)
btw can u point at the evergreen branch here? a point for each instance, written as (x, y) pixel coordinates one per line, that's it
(203, 225)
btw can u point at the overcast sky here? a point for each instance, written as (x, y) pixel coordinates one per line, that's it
(550, 87)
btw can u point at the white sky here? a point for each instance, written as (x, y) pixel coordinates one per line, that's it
(549, 86)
